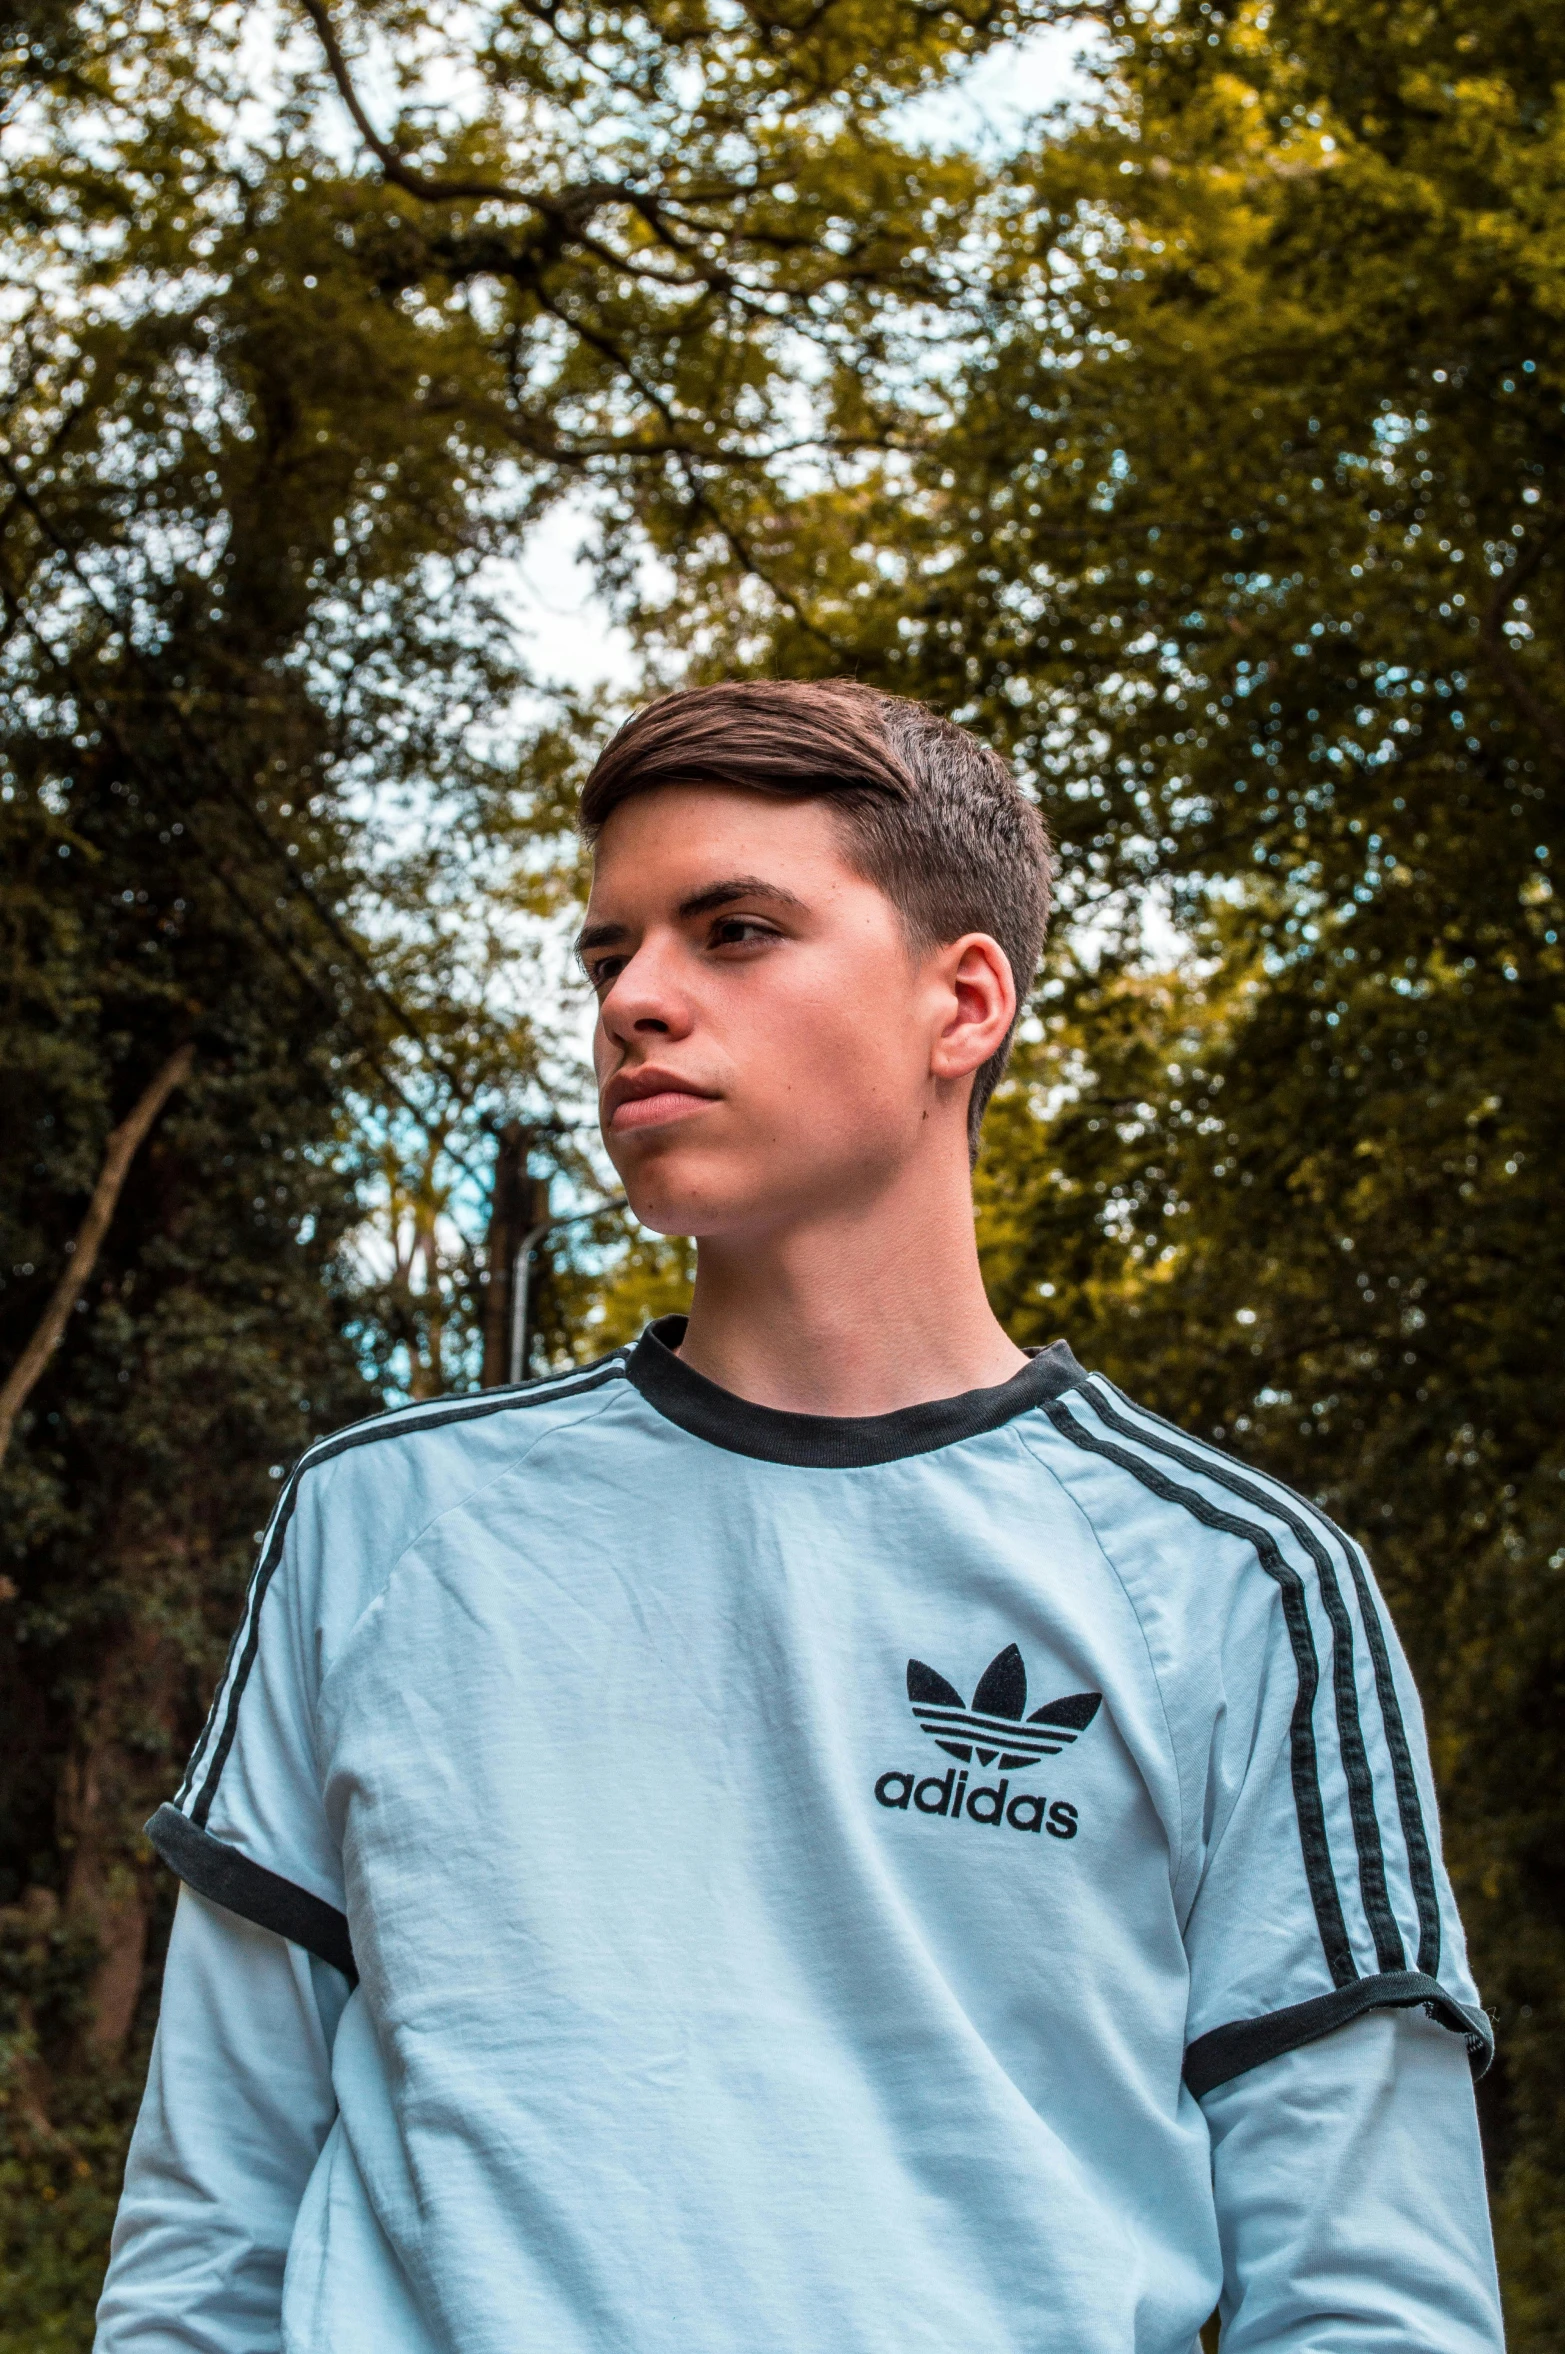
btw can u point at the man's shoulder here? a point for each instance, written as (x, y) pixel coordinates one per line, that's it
(436, 1449)
(459, 1418)
(1156, 1492)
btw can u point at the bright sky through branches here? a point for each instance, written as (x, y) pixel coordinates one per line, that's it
(569, 636)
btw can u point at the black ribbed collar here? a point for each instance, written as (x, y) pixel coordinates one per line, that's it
(833, 1442)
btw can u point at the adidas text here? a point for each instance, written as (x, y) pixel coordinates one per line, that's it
(948, 1794)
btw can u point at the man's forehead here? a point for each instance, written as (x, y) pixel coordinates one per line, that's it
(662, 849)
(714, 811)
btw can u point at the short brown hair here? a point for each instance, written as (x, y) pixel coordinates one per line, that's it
(932, 818)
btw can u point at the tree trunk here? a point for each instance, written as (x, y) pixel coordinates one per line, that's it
(110, 1785)
(123, 1146)
(518, 1202)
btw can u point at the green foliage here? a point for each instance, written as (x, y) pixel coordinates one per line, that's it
(1328, 1230)
(648, 1277)
(58, 2189)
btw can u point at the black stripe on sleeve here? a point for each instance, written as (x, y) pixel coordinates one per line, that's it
(283, 1505)
(193, 1767)
(230, 1879)
(1390, 1953)
(250, 1626)
(365, 1434)
(1305, 1769)
(1230, 2051)
(1410, 1807)
(1420, 1860)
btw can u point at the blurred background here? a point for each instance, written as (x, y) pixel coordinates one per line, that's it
(393, 396)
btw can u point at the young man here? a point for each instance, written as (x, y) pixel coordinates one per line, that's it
(820, 1834)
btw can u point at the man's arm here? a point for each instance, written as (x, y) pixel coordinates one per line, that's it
(1350, 2197)
(238, 2104)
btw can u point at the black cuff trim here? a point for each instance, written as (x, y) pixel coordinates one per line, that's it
(1245, 2043)
(230, 1879)
(833, 1442)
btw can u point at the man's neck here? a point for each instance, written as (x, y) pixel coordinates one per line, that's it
(861, 1311)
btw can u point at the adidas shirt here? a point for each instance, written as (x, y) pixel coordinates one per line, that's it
(674, 1877)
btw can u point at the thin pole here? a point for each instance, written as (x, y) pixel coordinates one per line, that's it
(521, 1274)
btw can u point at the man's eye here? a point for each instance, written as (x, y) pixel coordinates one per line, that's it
(739, 931)
(601, 970)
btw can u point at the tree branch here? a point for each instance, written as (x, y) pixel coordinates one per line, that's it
(571, 208)
(217, 770)
(217, 868)
(122, 1149)
(401, 174)
(745, 557)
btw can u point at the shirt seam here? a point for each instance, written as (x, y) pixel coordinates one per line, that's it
(234, 1837)
(443, 1412)
(589, 1412)
(204, 1768)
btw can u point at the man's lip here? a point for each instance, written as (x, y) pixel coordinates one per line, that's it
(656, 1111)
(649, 1098)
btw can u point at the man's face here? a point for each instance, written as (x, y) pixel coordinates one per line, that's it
(765, 1038)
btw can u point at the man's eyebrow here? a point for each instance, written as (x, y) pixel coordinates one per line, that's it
(738, 887)
(600, 936)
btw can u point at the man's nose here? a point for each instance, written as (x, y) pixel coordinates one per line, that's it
(645, 1000)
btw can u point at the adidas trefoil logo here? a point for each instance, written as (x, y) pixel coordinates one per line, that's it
(994, 1730)
(993, 1726)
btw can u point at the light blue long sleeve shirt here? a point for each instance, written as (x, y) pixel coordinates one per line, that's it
(669, 1875)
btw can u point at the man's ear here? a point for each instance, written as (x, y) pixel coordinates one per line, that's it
(975, 973)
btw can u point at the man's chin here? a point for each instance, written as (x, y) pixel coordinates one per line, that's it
(677, 1183)
(656, 1169)
(674, 1188)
